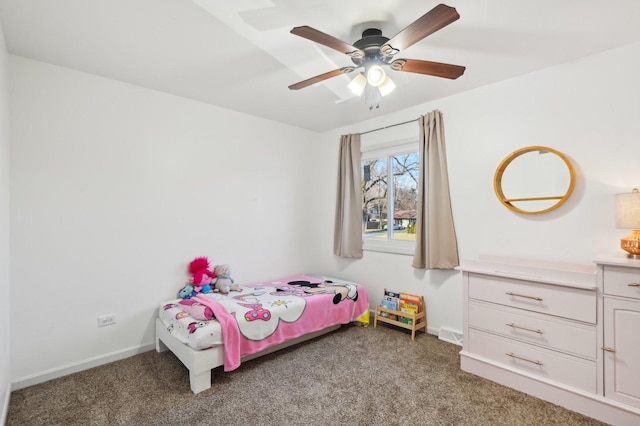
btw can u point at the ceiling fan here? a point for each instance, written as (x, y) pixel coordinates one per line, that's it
(373, 51)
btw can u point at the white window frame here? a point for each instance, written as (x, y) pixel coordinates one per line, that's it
(389, 149)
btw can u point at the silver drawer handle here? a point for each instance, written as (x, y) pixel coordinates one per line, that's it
(608, 349)
(512, 355)
(510, 324)
(634, 284)
(524, 295)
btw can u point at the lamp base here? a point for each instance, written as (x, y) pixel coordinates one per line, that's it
(631, 244)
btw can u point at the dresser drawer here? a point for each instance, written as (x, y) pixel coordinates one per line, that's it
(540, 362)
(567, 302)
(621, 281)
(540, 329)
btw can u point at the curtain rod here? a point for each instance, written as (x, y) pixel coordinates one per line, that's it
(386, 127)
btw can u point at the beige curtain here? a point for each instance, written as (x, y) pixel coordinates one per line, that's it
(347, 239)
(436, 246)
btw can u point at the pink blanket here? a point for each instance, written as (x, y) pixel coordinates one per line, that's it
(266, 314)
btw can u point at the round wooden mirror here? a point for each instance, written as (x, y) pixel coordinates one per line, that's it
(534, 180)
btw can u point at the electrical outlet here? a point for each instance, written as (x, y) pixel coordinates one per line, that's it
(107, 320)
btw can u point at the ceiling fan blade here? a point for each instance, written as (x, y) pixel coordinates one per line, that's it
(437, 69)
(432, 21)
(321, 77)
(327, 40)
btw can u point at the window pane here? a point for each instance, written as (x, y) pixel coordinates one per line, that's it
(405, 196)
(374, 202)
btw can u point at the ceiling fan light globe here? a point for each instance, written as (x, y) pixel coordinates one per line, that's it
(376, 75)
(357, 85)
(387, 86)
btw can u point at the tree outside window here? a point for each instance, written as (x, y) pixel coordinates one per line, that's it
(390, 196)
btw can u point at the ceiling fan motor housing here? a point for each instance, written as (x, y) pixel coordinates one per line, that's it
(370, 43)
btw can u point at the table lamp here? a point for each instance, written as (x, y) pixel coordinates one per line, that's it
(628, 217)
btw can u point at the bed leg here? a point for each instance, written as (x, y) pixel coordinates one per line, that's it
(160, 347)
(200, 382)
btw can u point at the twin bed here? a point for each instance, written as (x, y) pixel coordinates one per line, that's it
(258, 319)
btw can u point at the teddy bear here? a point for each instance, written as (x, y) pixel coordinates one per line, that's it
(223, 281)
(201, 275)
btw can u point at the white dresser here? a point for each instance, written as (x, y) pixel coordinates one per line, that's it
(539, 327)
(620, 279)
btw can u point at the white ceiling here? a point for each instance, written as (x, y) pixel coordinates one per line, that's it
(239, 54)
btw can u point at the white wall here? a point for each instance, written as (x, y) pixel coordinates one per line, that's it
(115, 188)
(4, 235)
(587, 109)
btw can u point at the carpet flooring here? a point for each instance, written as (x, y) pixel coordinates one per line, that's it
(353, 376)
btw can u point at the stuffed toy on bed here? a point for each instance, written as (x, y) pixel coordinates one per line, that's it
(223, 281)
(201, 275)
(196, 310)
(187, 292)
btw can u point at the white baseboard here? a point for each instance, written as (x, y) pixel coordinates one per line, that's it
(5, 405)
(54, 373)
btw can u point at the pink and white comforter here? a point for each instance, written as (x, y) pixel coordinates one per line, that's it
(266, 314)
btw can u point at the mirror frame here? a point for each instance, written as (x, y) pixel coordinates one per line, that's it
(497, 181)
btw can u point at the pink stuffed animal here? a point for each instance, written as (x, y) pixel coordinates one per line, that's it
(201, 275)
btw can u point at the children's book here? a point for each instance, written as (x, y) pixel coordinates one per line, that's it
(391, 300)
(410, 301)
(391, 293)
(389, 304)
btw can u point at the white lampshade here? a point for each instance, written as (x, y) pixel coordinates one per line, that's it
(628, 216)
(628, 210)
(387, 86)
(376, 75)
(358, 84)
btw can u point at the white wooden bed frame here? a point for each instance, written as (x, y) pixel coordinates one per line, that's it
(201, 362)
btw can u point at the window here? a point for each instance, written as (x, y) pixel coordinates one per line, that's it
(389, 198)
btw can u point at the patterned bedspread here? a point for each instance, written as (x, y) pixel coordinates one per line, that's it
(265, 314)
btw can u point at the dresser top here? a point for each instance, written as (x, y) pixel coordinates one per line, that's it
(617, 260)
(565, 274)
